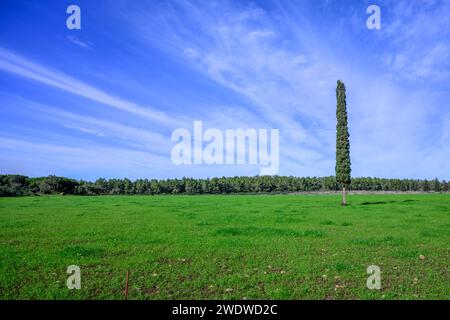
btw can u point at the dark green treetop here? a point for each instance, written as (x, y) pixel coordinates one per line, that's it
(343, 169)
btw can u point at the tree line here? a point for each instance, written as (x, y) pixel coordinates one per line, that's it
(18, 185)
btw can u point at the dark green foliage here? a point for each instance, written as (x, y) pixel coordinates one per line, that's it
(426, 185)
(16, 185)
(343, 170)
(444, 186)
(437, 185)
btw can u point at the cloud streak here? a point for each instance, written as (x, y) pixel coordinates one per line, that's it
(21, 66)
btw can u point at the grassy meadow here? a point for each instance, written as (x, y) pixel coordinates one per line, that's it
(225, 246)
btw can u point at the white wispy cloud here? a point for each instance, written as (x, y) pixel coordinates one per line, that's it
(138, 138)
(240, 50)
(78, 42)
(14, 63)
(38, 158)
(87, 130)
(415, 38)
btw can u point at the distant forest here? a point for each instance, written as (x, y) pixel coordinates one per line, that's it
(18, 185)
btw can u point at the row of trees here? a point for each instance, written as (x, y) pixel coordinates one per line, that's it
(17, 185)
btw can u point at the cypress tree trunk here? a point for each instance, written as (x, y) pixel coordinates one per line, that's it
(343, 170)
(344, 197)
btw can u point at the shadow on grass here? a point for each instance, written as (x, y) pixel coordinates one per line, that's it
(384, 202)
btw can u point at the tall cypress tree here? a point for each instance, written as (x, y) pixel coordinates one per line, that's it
(343, 169)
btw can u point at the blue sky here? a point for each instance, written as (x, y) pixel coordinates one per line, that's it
(103, 101)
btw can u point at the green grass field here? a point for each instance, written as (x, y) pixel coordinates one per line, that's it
(225, 246)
